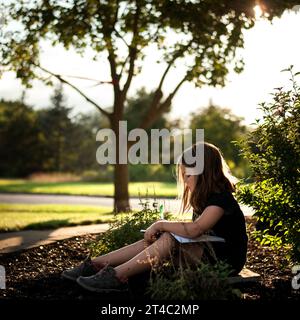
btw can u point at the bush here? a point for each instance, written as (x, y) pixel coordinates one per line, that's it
(273, 150)
(205, 282)
(103, 174)
(153, 172)
(137, 173)
(53, 177)
(126, 228)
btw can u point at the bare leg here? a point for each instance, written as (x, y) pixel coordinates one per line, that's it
(121, 255)
(156, 252)
(189, 254)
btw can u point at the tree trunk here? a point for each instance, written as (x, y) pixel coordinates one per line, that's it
(121, 172)
(121, 194)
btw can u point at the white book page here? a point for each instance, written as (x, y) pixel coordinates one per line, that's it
(202, 238)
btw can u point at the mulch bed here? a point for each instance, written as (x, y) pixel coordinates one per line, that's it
(35, 273)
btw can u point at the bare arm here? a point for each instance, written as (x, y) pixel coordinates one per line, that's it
(205, 222)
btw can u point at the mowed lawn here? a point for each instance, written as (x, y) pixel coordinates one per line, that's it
(160, 189)
(14, 217)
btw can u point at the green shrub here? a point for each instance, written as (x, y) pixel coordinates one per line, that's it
(204, 282)
(137, 173)
(273, 150)
(153, 172)
(103, 174)
(126, 228)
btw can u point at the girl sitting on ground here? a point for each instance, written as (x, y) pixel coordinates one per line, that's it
(215, 212)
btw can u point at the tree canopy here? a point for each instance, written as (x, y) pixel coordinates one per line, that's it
(208, 31)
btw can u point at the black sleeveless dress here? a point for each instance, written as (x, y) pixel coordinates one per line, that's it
(232, 228)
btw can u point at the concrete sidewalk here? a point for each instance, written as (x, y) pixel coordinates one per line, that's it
(170, 204)
(14, 241)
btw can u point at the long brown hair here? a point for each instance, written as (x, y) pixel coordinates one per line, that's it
(215, 178)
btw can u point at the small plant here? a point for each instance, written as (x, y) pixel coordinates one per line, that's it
(126, 228)
(203, 282)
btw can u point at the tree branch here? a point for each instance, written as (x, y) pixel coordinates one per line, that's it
(119, 34)
(156, 111)
(121, 37)
(172, 94)
(128, 46)
(123, 66)
(113, 66)
(59, 77)
(90, 79)
(132, 50)
(112, 57)
(154, 107)
(175, 57)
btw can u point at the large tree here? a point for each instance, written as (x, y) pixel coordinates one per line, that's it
(206, 31)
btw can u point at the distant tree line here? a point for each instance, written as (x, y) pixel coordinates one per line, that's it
(48, 140)
(53, 140)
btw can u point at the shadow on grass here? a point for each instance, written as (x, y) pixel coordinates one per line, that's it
(59, 223)
(55, 224)
(49, 224)
(30, 187)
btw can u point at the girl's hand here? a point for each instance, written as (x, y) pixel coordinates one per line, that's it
(153, 232)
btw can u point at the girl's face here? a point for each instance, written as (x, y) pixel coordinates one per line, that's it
(189, 180)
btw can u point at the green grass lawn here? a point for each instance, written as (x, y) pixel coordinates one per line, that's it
(14, 217)
(161, 189)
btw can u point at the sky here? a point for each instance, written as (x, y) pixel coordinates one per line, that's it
(268, 49)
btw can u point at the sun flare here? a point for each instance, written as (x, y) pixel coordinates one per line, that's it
(258, 11)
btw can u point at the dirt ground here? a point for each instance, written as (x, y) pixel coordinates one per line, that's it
(35, 273)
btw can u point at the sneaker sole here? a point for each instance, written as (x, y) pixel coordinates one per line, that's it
(65, 276)
(83, 285)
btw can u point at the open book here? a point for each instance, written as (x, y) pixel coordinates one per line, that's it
(205, 237)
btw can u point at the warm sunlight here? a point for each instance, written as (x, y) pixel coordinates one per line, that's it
(258, 11)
